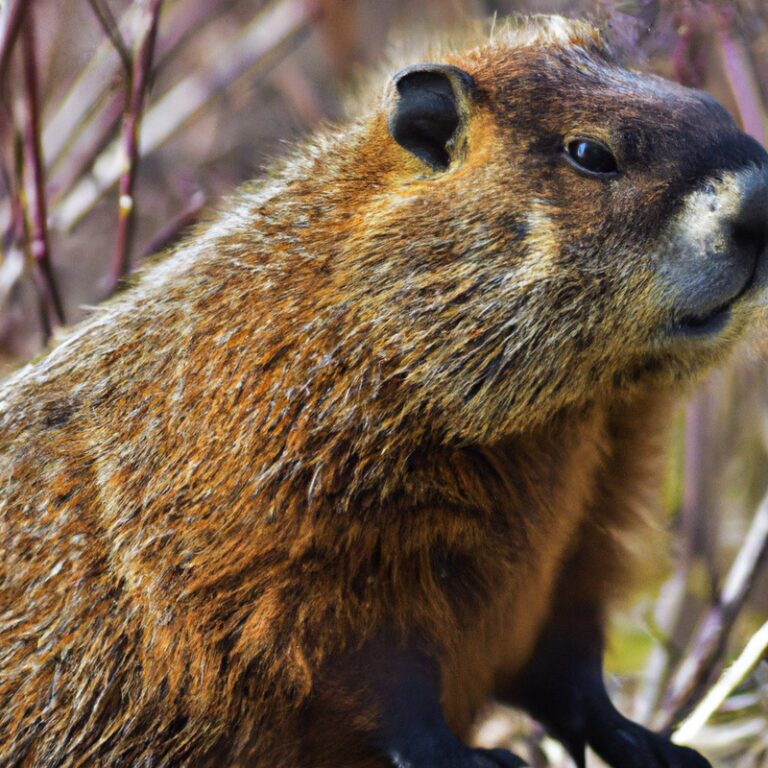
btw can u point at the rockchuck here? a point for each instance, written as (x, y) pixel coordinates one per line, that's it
(363, 453)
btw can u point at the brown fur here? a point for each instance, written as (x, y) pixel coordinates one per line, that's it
(363, 400)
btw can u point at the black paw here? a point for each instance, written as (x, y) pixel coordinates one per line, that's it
(629, 745)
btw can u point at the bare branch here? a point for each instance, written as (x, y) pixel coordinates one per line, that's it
(109, 25)
(14, 236)
(699, 518)
(138, 83)
(711, 638)
(744, 664)
(667, 612)
(91, 137)
(688, 61)
(267, 38)
(175, 226)
(39, 243)
(741, 76)
(11, 17)
(75, 114)
(81, 104)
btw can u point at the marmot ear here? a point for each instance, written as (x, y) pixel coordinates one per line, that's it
(429, 109)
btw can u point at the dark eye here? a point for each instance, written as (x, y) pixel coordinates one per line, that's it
(591, 156)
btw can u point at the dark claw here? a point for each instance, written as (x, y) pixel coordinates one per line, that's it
(679, 757)
(563, 687)
(631, 746)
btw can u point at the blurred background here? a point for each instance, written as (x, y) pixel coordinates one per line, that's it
(121, 121)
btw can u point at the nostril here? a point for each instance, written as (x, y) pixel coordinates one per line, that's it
(749, 236)
(749, 228)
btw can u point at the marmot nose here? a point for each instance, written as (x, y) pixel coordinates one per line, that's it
(749, 227)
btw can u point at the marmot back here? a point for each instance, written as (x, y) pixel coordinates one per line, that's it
(354, 459)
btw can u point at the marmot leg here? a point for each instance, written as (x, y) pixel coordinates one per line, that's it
(562, 686)
(399, 712)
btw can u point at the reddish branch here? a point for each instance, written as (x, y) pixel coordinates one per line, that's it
(111, 30)
(741, 75)
(94, 132)
(136, 88)
(264, 41)
(688, 53)
(188, 215)
(13, 16)
(33, 159)
(78, 118)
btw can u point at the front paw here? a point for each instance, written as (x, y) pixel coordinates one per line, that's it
(629, 745)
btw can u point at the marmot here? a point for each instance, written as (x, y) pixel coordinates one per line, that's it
(359, 456)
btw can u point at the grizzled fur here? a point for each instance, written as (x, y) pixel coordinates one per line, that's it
(368, 399)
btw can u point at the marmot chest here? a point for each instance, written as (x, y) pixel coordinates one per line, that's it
(545, 491)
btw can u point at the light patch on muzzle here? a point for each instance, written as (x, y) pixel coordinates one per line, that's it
(711, 249)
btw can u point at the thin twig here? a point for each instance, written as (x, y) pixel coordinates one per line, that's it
(265, 40)
(81, 104)
(112, 31)
(667, 613)
(697, 514)
(175, 226)
(688, 61)
(73, 116)
(13, 239)
(85, 119)
(138, 83)
(91, 138)
(23, 220)
(741, 76)
(11, 17)
(39, 243)
(16, 190)
(731, 677)
(711, 638)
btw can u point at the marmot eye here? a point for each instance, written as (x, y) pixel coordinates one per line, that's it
(591, 156)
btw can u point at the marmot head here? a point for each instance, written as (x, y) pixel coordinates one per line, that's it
(562, 227)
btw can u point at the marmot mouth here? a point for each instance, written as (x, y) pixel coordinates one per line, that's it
(709, 324)
(713, 321)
